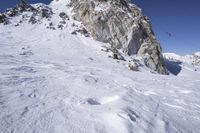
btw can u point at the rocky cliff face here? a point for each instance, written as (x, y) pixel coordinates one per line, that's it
(123, 25)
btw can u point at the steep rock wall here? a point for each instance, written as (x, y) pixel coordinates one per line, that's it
(123, 25)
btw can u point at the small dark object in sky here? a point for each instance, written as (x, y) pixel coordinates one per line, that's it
(169, 34)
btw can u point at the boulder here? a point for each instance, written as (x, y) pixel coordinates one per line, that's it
(133, 66)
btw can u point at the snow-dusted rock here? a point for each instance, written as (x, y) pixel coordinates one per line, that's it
(11, 12)
(2, 18)
(44, 11)
(64, 16)
(37, 11)
(22, 5)
(123, 25)
(133, 66)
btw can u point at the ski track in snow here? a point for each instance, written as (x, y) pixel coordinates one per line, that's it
(55, 82)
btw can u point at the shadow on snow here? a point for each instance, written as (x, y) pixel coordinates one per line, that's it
(173, 67)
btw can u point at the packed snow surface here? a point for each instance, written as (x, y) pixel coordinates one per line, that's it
(54, 82)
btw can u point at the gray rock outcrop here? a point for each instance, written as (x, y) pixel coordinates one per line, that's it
(22, 5)
(38, 12)
(123, 25)
(2, 18)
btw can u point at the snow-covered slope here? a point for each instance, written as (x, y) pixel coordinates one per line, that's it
(52, 81)
(189, 59)
(197, 54)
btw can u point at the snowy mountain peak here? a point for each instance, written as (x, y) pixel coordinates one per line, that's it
(193, 59)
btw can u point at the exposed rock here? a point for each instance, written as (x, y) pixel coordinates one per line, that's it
(133, 66)
(2, 18)
(62, 22)
(29, 8)
(16, 24)
(82, 31)
(74, 33)
(64, 16)
(44, 11)
(22, 5)
(32, 20)
(73, 25)
(11, 12)
(153, 57)
(51, 26)
(123, 25)
(115, 53)
(41, 11)
(60, 26)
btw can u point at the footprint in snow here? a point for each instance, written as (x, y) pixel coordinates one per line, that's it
(102, 101)
(90, 79)
(90, 58)
(26, 109)
(26, 53)
(93, 101)
(129, 115)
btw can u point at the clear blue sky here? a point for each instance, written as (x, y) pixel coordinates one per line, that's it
(180, 18)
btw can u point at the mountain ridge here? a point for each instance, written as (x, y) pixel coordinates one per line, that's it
(139, 39)
(193, 59)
